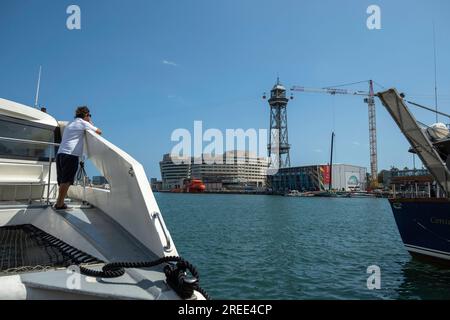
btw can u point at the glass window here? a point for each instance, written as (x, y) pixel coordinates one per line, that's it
(20, 129)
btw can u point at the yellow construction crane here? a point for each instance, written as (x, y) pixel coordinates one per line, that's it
(370, 100)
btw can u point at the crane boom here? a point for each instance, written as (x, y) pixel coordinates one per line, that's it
(331, 91)
(370, 100)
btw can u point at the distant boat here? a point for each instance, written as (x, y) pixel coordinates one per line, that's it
(326, 194)
(361, 195)
(191, 186)
(331, 194)
(296, 193)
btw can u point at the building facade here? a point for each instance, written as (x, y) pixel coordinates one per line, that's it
(317, 178)
(174, 170)
(156, 185)
(231, 171)
(234, 170)
(306, 178)
(349, 177)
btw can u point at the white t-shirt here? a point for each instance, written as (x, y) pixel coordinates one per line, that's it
(73, 137)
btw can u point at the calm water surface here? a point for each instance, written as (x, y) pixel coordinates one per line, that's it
(269, 247)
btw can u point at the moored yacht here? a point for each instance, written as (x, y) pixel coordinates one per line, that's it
(423, 220)
(111, 244)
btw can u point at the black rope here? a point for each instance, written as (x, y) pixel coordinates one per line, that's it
(176, 275)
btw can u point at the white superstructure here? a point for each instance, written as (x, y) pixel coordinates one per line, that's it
(119, 224)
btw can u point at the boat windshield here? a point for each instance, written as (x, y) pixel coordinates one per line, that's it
(22, 139)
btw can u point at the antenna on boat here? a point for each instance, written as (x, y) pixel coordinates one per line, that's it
(435, 72)
(36, 101)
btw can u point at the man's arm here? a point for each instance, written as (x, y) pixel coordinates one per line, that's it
(90, 126)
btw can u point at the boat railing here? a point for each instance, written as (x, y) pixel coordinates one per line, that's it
(417, 191)
(410, 173)
(411, 195)
(51, 156)
(129, 200)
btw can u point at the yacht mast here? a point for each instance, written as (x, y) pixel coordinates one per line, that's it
(331, 162)
(435, 73)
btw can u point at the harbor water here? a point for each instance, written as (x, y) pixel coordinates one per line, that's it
(271, 247)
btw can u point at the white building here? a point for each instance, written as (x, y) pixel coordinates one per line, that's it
(173, 171)
(233, 170)
(349, 177)
(317, 178)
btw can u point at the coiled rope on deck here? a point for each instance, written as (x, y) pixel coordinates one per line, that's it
(176, 276)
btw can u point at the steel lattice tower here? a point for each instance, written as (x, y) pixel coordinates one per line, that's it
(278, 143)
(372, 135)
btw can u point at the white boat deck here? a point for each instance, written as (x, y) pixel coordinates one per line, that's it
(107, 236)
(38, 243)
(134, 284)
(103, 238)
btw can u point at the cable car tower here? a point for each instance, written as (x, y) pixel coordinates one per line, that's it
(278, 147)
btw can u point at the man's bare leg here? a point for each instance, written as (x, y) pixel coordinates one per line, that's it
(63, 188)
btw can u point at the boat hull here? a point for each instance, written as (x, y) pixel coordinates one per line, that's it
(424, 226)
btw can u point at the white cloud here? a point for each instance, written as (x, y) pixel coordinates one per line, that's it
(356, 143)
(170, 63)
(318, 150)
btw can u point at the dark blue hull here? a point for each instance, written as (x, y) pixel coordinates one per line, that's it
(424, 225)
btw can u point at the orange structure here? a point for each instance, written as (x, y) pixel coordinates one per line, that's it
(191, 186)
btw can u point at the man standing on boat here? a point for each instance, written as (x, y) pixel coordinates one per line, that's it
(70, 149)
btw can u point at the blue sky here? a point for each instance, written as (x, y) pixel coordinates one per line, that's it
(220, 57)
